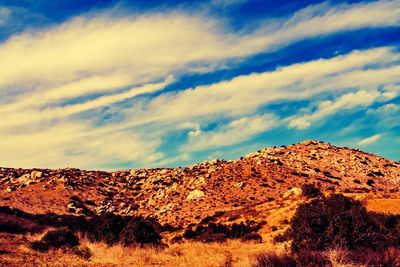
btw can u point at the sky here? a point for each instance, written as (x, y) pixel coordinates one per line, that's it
(136, 84)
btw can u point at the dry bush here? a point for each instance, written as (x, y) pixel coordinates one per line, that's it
(213, 232)
(105, 228)
(138, 231)
(339, 257)
(340, 221)
(54, 239)
(272, 259)
(310, 191)
(111, 229)
(389, 257)
(82, 252)
(228, 262)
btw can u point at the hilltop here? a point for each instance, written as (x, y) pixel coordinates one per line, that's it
(180, 196)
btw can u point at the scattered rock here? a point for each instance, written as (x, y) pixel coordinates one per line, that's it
(295, 191)
(195, 194)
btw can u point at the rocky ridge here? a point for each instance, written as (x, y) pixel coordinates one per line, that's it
(179, 196)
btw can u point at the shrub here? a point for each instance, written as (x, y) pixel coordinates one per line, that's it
(214, 232)
(40, 246)
(272, 259)
(138, 231)
(60, 238)
(177, 239)
(106, 228)
(340, 221)
(388, 257)
(82, 252)
(252, 237)
(311, 258)
(310, 191)
(228, 261)
(111, 229)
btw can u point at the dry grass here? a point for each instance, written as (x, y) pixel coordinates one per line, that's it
(383, 205)
(193, 254)
(339, 258)
(231, 253)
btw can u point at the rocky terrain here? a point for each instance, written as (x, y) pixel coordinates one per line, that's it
(246, 187)
(261, 190)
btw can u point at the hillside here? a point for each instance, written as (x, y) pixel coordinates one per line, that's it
(262, 190)
(186, 195)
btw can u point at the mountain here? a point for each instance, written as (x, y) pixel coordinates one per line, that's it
(251, 187)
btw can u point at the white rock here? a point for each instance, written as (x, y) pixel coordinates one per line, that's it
(24, 178)
(164, 171)
(195, 194)
(239, 185)
(36, 175)
(211, 169)
(166, 208)
(293, 191)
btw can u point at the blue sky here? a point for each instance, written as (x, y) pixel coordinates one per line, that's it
(129, 84)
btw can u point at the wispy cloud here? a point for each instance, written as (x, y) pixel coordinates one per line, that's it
(234, 132)
(4, 15)
(369, 140)
(244, 94)
(345, 102)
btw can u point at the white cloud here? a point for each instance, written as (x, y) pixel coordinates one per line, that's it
(325, 108)
(389, 108)
(227, 3)
(244, 94)
(235, 132)
(369, 140)
(85, 48)
(4, 15)
(76, 145)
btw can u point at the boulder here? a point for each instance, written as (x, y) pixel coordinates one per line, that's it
(36, 175)
(195, 194)
(295, 191)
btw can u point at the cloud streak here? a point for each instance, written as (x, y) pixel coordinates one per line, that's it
(369, 140)
(232, 133)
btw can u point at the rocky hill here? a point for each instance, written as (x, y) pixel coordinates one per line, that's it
(248, 188)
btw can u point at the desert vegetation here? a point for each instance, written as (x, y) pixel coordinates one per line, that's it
(324, 231)
(276, 207)
(338, 230)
